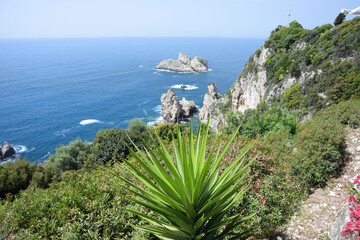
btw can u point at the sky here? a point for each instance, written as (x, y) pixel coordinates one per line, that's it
(161, 18)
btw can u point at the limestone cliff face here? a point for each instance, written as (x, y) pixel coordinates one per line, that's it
(248, 91)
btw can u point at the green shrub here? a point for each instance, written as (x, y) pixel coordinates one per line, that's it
(137, 126)
(261, 121)
(111, 144)
(167, 131)
(15, 176)
(70, 157)
(292, 98)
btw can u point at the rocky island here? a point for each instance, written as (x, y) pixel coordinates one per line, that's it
(184, 64)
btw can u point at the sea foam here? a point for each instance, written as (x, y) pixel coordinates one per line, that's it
(188, 87)
(20, 148)
(89, 121)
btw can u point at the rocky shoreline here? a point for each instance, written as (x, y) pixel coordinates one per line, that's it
(184, 64)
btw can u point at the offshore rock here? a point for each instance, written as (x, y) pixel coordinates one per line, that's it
(174, 110)
(6, 151)
(184, 64)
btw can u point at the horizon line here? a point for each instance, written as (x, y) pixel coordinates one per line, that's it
(107, 37)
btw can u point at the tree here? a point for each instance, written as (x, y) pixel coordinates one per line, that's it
(339, 19)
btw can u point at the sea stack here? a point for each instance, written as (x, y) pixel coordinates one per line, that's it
(174, 110)
(184, 64)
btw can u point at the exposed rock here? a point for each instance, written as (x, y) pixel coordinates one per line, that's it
(184, 64)
(339, 224)
(188, 108)
(212, 101)
(171, 107)
(183, 86)
(6, 151)
(174, 110)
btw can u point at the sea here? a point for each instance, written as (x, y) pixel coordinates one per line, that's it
(53, 91)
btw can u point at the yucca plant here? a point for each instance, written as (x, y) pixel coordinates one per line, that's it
(191, 196)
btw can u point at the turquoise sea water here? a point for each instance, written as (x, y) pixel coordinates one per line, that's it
(48, 86)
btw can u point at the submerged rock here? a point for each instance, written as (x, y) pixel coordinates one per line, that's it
(6, 151)
(174, 110)
(184, 64)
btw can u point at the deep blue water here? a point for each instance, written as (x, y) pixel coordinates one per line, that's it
(48, 86)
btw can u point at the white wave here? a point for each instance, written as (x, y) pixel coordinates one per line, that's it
(151, 123)
(45, 156)
(164, 70)
(141, 66)
(158, 109)
(145, 112)
(20, 148)
(188, 87)
(89, 121)
(62, 132)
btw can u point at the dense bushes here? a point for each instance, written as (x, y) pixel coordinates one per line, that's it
(84, 205)
(70, 157)
(18, 175)
(261, 121)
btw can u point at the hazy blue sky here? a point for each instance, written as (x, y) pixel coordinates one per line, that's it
(149, 18)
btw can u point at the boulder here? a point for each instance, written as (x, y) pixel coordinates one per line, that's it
(6, 151)
(184, 64)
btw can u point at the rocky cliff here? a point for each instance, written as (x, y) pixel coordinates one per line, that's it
(184, 64)
(297, 68)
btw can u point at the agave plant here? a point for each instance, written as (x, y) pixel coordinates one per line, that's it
(188, 192)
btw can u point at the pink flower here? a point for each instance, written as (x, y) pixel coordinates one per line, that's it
(356, 181)
(347, 231)
(358, 176)
(351, 199)
(357, 226)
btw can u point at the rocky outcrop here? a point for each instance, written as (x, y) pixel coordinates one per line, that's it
(6, 151)
(184, 64)
(211, 107)
(247, 92)
(174, 110)
(188, 108)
